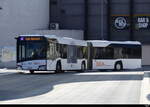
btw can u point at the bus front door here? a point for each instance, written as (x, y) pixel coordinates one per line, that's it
(90, 57)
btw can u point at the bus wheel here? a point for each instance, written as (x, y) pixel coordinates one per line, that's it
(58, 68)
(31, 71)
(118, 66)
(83, 67)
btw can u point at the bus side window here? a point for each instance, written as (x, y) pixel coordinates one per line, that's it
(81, 51)
(72, 54)
(118, 53)
(51, 51)
(94, 53)
(134, 53)
(58, 50)
(63, 51)
(23, 52)
(85, 52)
(98, 53)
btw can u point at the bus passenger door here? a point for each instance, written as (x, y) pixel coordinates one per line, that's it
(52, 55)
(90, 57)
(72, 57)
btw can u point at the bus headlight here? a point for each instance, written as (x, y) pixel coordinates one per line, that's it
(42, 67)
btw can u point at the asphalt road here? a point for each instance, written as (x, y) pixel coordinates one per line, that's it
(71, 88)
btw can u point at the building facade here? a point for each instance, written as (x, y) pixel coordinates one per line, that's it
(116, 20)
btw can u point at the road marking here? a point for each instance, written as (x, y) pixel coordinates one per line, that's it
(145, 89)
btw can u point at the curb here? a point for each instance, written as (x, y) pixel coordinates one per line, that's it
(145, 89)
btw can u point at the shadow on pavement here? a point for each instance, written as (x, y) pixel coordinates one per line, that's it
(17, 86)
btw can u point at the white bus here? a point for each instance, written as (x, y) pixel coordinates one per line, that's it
(50, 53)
(59, 54)
(114, 55)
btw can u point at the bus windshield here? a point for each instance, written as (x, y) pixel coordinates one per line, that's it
(30, 50)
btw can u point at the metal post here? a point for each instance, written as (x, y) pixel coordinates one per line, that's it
(108, 19)
(102, 19)
(86, 23)
(131, 20)
(49, 13)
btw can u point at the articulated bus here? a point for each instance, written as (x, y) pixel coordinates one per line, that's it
(59, 54)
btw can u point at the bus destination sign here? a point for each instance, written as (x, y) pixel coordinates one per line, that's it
(30, 38)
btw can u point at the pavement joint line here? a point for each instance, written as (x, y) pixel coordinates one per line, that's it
(145, 89)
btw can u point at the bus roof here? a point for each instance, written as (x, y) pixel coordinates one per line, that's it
(71, 41)
(98, 43)
(61, 40)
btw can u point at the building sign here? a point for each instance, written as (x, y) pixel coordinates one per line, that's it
(120, 23)
(30, 38)
(142, 23)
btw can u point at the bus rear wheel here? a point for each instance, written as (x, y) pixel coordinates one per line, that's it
(118, 66)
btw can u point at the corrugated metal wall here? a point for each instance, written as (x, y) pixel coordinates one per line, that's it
(21, 16)
(119, 19)
(68, 13)
(142, 20)
(75, 14)
(137, 16)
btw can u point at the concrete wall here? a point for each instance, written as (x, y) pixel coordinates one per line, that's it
(19, 16)
(8, 57)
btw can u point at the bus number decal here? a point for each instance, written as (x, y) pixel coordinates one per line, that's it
(100, 63)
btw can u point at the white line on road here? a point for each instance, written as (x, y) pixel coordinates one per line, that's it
(145, 89)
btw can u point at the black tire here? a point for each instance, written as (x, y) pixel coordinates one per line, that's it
(58, 68)
(83, 67)
(118, 66)
(32, 72)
